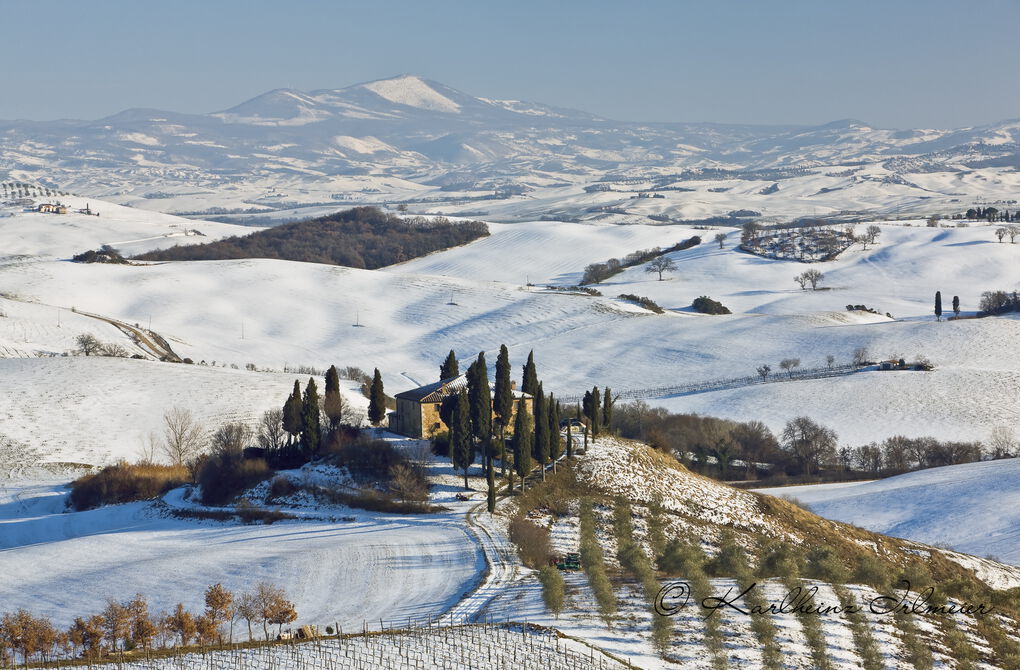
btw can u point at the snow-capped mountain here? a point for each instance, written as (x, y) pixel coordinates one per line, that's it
(407, 134)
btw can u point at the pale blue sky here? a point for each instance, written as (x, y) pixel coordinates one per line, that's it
(895, 63)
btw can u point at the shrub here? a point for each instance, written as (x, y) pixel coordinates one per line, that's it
(731, 560)
(224, 477)
(367, 457)
(553, 588)
(871, 571)
(706, 305)
(281, 487)
(681, 558)
(125, 482)
(778, 559)
(105, 254)
(532, 542)
(824, 564)
(249, 513)
(647, 303)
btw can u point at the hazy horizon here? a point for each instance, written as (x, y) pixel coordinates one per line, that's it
(911, 64)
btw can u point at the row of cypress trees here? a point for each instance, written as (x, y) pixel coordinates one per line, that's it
(308, 423)
(479, 422)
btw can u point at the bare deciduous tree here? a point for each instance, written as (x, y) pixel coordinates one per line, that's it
(812, 277)
(1000, 232)
(788, 364)
(88, 344)
(271, 435)
(182, 436)
(1002, 442)
(860, 356)
(660, 265)
(872, 233)
(830, 360)
(408, 484)
(808, 442)
(763, 371)
(230, 439)
(720, 238)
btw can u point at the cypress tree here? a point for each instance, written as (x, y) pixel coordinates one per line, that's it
(938, 305)
(503, 402)
(522, 441)
(491, 481)
(310, 420)
(333, 404)
(461, 442)
(292, 413)
(570, 440)
(607, 410)
(450, 367)
(555, 440)
(540, 449)
(530, 382)
(596, 413)
(481, 405)
(376, 400)
(956, 305)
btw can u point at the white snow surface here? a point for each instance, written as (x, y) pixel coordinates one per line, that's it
(132, 231)
(973, 507)
(404, 319)
(413, 92)
(373, 567)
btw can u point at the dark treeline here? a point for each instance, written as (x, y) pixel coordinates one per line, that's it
(363, 237)
(599, 272)
(733, 450)
(999, 302)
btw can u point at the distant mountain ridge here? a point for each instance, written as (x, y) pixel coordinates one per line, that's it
(419, 130)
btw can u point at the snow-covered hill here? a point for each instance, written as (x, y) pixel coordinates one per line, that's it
(403, 321)
(29, 233)
(971, 507)
(411, 139)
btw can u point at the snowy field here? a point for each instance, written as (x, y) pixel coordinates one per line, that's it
(404, 319)
(98, 410)
(131, 230)
(371, 567)
(973, 508)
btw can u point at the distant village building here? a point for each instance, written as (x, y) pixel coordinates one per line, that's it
(417, 413)
(52, 208)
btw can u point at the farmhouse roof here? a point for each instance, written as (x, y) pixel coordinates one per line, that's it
(436, 391)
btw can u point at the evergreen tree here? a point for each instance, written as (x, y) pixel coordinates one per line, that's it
(490, 477)
(332, 403)
(555, 439)
(521, 443)
(376, 400)
(607, 409)
(938, 305)
(503, 402)
(540, 449)
(956, 305)
(450, 367)
(592, 407)
(530, 382)
(292, 414)
(461, 441)
(310, 420)
(570, 440)
(481, 405)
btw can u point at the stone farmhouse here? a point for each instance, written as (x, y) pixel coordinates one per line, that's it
(417, 413)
